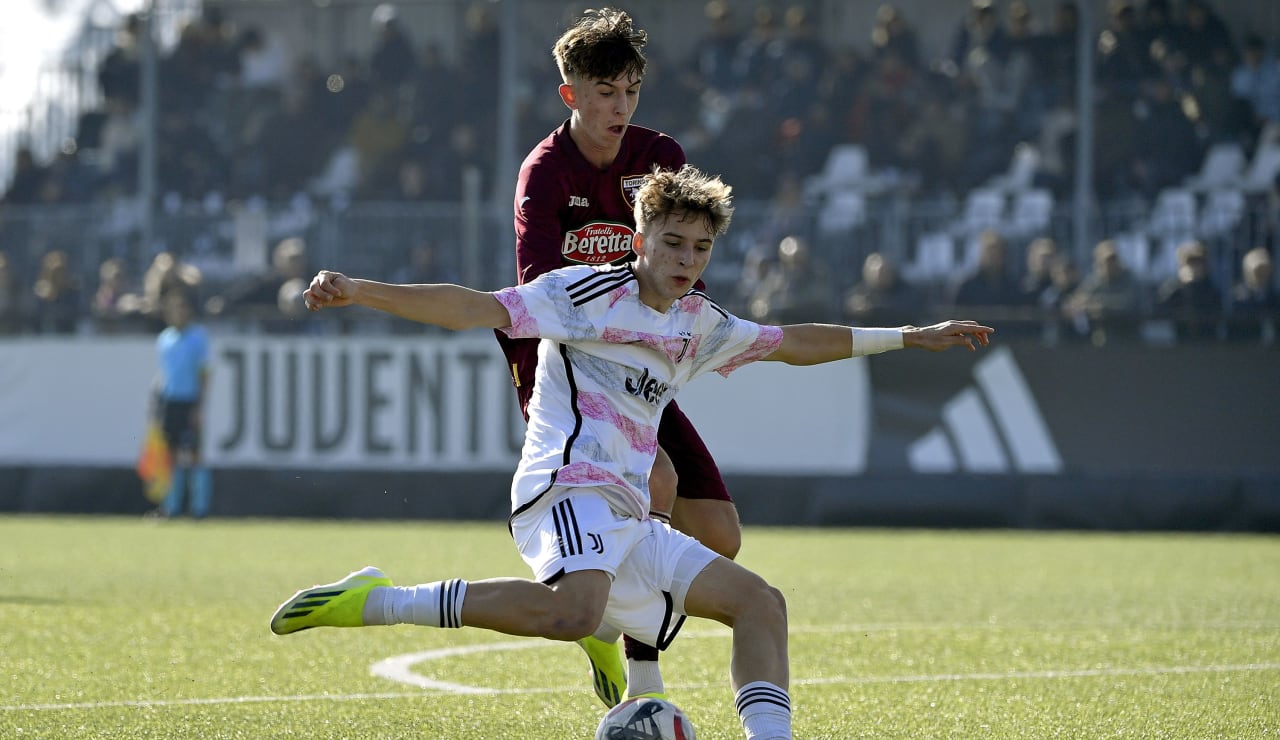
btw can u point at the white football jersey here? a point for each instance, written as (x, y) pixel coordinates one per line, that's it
(607, 365)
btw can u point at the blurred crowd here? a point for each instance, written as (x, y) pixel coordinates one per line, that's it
(760, 98)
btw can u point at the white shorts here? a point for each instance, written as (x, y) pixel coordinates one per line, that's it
(651, 564)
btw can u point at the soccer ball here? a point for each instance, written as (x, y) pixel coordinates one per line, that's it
(645, 718)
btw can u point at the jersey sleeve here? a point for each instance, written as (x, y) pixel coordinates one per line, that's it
(539, 190)
(735, 342)
(543, 309)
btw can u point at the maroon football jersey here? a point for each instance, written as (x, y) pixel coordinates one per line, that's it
(568, 211)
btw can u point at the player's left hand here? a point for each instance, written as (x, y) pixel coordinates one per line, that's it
(947, 334)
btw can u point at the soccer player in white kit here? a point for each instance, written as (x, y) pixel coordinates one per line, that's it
(617, 343)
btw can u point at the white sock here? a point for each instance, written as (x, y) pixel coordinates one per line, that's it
(643, 677)
(765, 711)
(436, 604)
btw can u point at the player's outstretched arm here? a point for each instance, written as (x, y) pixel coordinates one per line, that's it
(445, 305)
(813, 344)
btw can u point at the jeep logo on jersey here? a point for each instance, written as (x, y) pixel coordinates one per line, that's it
(630, 186)
(597, 243)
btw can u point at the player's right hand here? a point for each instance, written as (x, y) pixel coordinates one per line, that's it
(329, 290)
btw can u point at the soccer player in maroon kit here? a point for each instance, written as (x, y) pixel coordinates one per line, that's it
(574, 205)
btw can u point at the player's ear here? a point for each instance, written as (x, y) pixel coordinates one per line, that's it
(568, 96)
(637, 243)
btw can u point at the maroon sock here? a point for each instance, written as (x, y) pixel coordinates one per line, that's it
(637, 650)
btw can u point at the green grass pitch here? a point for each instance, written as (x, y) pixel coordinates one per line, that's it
(129, 628)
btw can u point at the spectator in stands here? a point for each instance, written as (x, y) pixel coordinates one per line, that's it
(110, 306)
(257, 298)
(394, 63)
(797, 289)
(1256, 82)
(56, 295)
(264, 61)
(1108, 300)
(1190, 298)
(1064, 278)
(893, 34)
(1168, 149)
(379, 136)
(1206, 41)
(28, 179)
(1042, 253)
(164, 275)
(712, 63)
(881, 297)
(119, 73)
(11, 308)
(1060, 49)
(1124, 59)
(991, 284)
(1255, 302)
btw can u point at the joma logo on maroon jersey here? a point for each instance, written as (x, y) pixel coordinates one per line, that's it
(597, 243)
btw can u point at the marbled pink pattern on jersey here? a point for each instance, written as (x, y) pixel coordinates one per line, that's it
(641, 437)
(522, 323)
(768, 341)
(675, 348)
(584, 473)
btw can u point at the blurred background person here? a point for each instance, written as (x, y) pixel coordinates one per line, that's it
(1190, 298)
(180, 388)
(1255, 303)
(881, 297)
(56, 295)
(796, 289)
(1107, 302)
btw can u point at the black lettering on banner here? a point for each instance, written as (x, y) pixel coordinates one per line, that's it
(325, 400)
(234, 359)
(375, 401)
(474, 362)
(288, 386)
(420, 385)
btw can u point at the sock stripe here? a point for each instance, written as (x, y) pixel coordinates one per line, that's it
(451, 603)
(754, 694)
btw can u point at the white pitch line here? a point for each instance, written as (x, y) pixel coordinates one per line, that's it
(856, 680)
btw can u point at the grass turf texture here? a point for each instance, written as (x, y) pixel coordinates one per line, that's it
(123, 628)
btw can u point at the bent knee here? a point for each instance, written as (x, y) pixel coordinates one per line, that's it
(570, 625)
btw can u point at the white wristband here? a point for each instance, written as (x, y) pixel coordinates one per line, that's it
(875, 341)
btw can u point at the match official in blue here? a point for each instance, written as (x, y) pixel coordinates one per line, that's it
(183, 350)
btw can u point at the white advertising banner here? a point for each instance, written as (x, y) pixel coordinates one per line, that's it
(433, 402)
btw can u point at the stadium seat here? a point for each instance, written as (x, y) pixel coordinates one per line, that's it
(1031, 213)
(1173, 215)
(1022, 169)
(983, 209)
(1263, 167)
(1223, 166)
(1221, 213)
(846, 168)
(841, 211)
(1134, 250)
(934, 260)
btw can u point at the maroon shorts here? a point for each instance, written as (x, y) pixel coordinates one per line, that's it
(698, 475)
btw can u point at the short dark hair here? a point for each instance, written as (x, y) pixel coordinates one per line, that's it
(601, 45)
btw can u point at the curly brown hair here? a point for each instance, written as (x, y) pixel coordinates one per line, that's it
(688, 192)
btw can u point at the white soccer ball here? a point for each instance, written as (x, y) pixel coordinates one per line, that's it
(645, 718)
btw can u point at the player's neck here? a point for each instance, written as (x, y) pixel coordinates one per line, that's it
(596, 155)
